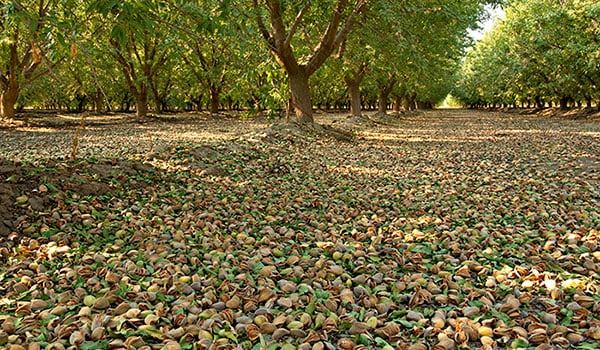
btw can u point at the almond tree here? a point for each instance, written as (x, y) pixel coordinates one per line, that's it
(301, 42)
(140, 45)
(28, 35)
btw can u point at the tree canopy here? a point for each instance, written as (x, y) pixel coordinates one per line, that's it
(544, 52)
(177, 55)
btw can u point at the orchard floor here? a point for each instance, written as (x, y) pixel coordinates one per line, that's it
(444, 229)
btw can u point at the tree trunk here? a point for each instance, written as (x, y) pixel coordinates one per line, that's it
(563, 104)
(98, 102)
(383, 99)
(354, 92)
(214, 99)
(141, 103)
(384, 93)
(158, 105)
(10, 86)
(301, 102)
(9, 99)
(538, 102)
(410, 102)
(198, 102)
(397, 103)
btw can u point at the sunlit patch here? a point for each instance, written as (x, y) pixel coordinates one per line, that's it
(38, 130)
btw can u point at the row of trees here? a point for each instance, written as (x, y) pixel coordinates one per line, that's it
(545, 52)
(111, 54)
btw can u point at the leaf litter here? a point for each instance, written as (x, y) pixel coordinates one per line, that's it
(447, 229)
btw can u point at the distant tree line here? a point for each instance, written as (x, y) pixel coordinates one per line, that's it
(269, 55)
(544, 53)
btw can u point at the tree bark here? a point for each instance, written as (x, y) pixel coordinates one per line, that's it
(158, 105)
(397, 103)
(10, 84)
(98, 101)
(198, 102)
(9, 99)
(353, 81)
(383, 99)
(300, 93)
(563, 104)
(141, 102)
(214, 99)
(410, 102)
(354, 92)
(385, 89)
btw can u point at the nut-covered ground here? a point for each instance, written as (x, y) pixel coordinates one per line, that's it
(445, 229)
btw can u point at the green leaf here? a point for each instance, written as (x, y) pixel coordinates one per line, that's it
(519, 343)
(94, 346)
(152, 331)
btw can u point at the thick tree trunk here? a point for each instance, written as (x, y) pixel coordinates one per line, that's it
(397, 103)
(410, 102)
(301, 103)
(141, 103)
(354, 92)
(10, 85)
(384, 93)
(563, 104)
(197, 101)
(214, 100)
(8, 100)
(382, 106)
(98, 101)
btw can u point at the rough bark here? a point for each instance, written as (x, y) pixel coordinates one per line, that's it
(354, 92)
(397, 103)
(301, 102)
(9, 99)
(214, 99)
(410, 102)
(141, 102)
(564, 103)
(98, 101)
(353, 81)
(9, 83)
(198, 102)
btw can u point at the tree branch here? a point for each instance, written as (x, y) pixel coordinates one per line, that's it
(277, 25)
(263, 29)
(18, 5)
(331, 35)
(296, 23)
(341, 36)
